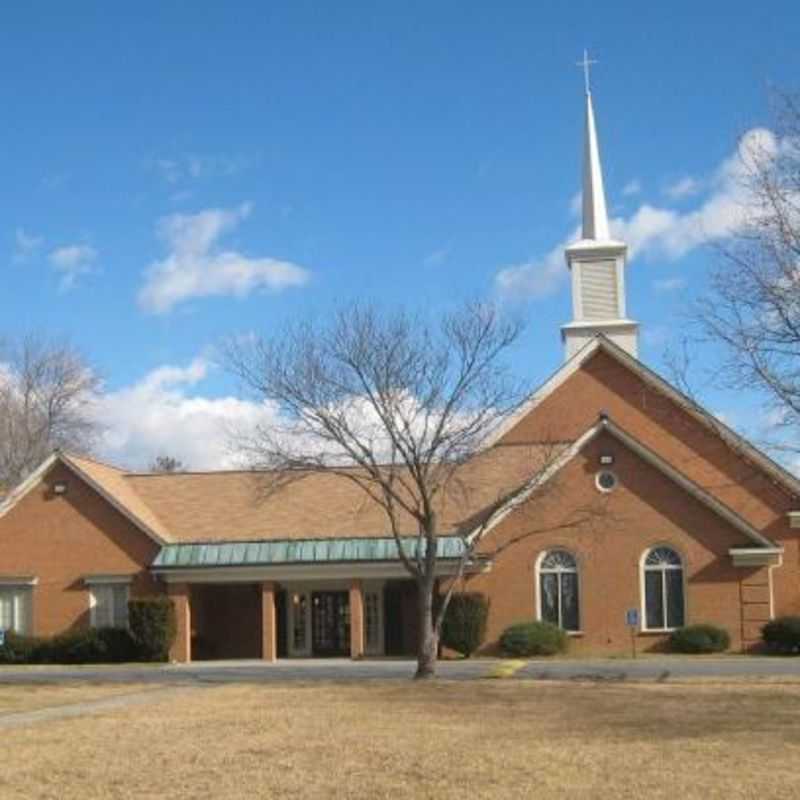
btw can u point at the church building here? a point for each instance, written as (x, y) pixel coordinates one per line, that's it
(658, 516)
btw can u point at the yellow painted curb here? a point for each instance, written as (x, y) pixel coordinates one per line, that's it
(505, 669)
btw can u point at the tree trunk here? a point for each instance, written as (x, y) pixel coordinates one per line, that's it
(428, 647)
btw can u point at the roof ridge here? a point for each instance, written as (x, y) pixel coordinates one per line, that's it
(93, 459)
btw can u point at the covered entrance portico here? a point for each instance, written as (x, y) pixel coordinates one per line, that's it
(326, 598)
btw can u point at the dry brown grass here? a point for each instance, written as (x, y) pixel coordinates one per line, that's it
(30, 697)
(503, 739)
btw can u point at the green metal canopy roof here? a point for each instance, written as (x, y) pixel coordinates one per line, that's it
(297, 551)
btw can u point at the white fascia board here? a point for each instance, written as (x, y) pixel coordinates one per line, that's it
(124, 510)
(539, 480)
(41, 471)
(299, 572)
(19, 580)
(728, 435)
(91, 580)
(652, 458)
(28, 484)
(756, 556)
(646, 455)
(547, 388)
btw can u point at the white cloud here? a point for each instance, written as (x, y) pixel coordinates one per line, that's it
(631, 188)
(26, 245)
(576, 204)
(685, 187)
(164, 413)
(71, 262)
(192, 166)
(669, 284)
(664, 232)
(195, 267)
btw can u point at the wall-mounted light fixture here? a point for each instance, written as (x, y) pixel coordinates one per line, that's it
(60, 487)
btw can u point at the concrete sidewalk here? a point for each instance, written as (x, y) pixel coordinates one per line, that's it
(650, 668)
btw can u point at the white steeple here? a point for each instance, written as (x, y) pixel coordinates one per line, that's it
(597, 261)
(595, 217)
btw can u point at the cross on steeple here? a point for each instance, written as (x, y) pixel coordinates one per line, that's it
(586, 63)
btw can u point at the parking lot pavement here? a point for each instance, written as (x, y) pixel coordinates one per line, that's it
(649, 668)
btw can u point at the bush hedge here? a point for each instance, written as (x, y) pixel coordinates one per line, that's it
(464, 625)
(782, 635)
(533, 639)
(151, 622)
(91, 646)
(700, 639)
(149, 636)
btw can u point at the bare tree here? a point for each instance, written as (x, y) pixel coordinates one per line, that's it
(46, 389)
(165, 463)
(753, 308)
(399, 406)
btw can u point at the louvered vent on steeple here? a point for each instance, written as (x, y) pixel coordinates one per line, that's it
(600, 298)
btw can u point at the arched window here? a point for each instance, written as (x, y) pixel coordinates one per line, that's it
(558, 590)
(663, 589)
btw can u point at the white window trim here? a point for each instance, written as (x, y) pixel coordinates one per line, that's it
(538, 584)
(599, 486)
(95, 582)
(643, 627)
(25, 583)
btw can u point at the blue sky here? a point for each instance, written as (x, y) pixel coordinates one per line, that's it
(175, 173)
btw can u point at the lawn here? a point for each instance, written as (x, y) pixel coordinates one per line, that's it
(487, 739)
(32, 697)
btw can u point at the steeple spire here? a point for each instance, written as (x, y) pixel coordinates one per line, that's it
(595, 216)
(597, 262)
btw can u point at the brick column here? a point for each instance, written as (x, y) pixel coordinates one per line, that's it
(356, 620)
(269, 639)
(181, 650)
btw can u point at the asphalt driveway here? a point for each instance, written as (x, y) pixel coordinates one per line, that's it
(650, 668)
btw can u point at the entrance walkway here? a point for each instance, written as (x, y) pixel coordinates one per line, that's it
(663, 668)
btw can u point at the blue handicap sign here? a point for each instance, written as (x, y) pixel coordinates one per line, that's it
(632, 617)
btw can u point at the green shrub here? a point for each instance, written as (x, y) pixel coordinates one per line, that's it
(152, 625)
(464, 626)
(90, 646)
(782, 635)
(533, 639)
(17, 649)
(700, 639)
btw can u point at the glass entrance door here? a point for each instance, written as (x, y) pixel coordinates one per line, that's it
(330, 623)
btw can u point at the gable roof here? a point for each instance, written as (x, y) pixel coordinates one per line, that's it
(236, 506)
(605, 425)
(109, 482)
(601, 343)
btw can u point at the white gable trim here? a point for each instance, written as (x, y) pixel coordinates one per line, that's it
(648, 455)
(775, 470)
(123, 509)
(29, 483)
(36, 477)
(527, 489)
(560, 376)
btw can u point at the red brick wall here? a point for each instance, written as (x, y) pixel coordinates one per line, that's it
(644, 510)
(604, 384)
(61, 539)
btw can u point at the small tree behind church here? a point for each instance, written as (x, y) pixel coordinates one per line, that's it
(396, 404)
